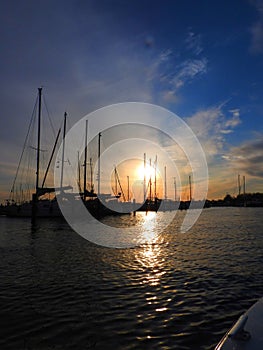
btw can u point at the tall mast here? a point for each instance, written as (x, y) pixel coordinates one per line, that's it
(175, 194)
(165, 184)
(239, 185)
(244, 190)
(99, 163)
(190, 188)
(36, 195)
(50, 160)
(116, 183)
(79, 184)
(119, 182)
(150, 180)
(128, 190)
(63, 151)
(91, 176)
(155, 177)
(85, 160)
(38, 137)
(144, 177)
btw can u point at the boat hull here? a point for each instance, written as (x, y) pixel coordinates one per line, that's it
(247, 332)
(45, 208)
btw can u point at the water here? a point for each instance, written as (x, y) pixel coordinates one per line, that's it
(184, 291)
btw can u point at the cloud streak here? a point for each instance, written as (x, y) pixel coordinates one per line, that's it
(173, 76)
(248, 158)
(256, 30)
(188, 71)
(193, 42)
(211, 126)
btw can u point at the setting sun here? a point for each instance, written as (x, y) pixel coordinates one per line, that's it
(147, 172)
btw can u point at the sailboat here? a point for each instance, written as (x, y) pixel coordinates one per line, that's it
(96, 203)
(38, 205)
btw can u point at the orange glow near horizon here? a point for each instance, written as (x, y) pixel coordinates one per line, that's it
(132, 174)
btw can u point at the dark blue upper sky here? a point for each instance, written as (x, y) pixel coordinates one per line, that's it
(201, 59)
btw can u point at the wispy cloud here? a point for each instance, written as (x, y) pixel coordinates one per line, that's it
(257, 37)
(189, 70)
(248, 157)
(211, 125)
(256, 29)
(172, 75)
(193, 42)
(235, 120)
(171, 69)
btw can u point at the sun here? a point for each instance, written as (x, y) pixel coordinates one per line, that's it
(146, 172)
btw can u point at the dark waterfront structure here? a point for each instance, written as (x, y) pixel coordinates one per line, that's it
(241, 200)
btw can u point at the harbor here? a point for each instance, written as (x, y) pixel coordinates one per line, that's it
(39, 200)
(131, 175)
(31, 197)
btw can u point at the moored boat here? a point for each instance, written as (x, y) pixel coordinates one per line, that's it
(247, 332)
(29, 200)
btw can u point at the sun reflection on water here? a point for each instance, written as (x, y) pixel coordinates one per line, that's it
(150, 259)
(149, 227)
(150, 255)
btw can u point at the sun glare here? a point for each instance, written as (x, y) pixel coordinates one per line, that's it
(147, 172)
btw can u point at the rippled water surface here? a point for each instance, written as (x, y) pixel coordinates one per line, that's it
(182, 291)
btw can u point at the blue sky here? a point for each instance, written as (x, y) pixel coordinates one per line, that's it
(203, 60)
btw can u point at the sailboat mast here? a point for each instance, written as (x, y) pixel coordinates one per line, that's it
(50, 160)
(63, 152)
(85, 160)
(117, 179)
(99, 164)
(144, 177)
(150, 180)
(190, 188)
(244, 191)
(155, 177)
(165, 184)
(175, 194)
(128, 185)
(91, 176)
(36, 195)
(116, 184)
(38, 137)
(79, 184)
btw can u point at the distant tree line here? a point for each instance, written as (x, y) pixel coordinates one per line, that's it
(247, 199)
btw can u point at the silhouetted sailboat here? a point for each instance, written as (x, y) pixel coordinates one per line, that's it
(36, 206)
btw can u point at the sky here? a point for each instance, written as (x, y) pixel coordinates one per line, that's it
(202, 60)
